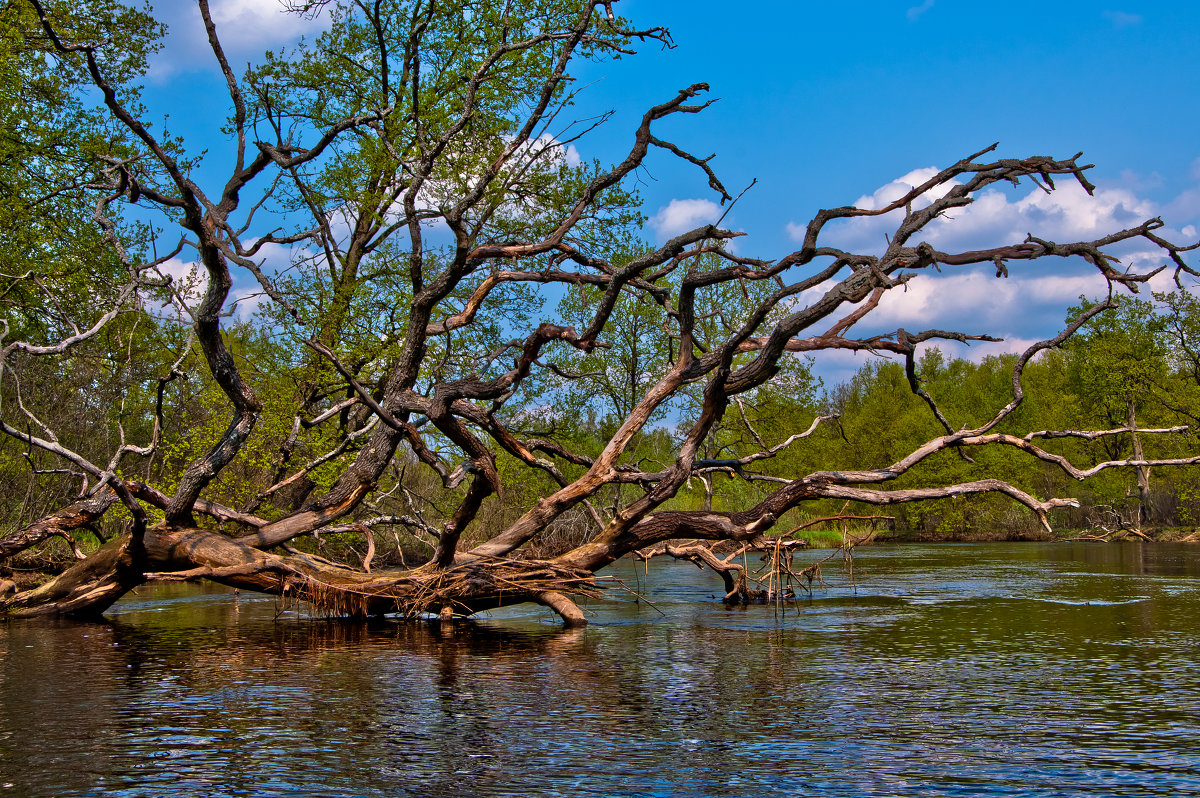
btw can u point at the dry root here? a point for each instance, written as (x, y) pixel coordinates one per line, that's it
(463, 589)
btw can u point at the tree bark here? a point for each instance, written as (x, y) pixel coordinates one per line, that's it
(86, 589)
(1145, 506)
(76, 516)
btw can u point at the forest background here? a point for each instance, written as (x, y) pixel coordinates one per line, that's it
(1136, 366)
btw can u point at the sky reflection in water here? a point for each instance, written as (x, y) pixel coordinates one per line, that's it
(1019, 669)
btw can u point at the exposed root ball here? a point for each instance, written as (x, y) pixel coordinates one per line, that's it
(465, 588)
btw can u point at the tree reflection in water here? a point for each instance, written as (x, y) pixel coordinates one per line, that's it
(1022, 669)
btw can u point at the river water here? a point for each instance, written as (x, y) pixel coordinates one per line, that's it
(994, 669)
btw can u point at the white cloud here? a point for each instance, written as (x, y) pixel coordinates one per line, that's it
(247, 28)
(1001, 217)
(227, 10)
(1065, 214)
(978, 302)
(915, 12)
(1021, 308)
(190, 280)
(261, 23)
(275, 258)
(681, 215)
(182, 273)
(549, 151)
(1029, 305)
(543, 155)
(867, 233)
(890, 192)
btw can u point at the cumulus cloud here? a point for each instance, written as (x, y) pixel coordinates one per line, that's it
(869, 231)
(260, 24)
(191, 281)
(1021, 306)
(1018, 311)
(1067, 213)
(1004, 216)
(979, 302)
(548, 151)
(974, 301)
(890, 192)
(1029, 305)
(187, 276)
(543, 155)
(681, 215)
(247, 29)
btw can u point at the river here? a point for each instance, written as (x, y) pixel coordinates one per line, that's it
(974, 669)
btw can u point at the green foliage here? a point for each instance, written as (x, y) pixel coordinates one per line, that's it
(1116, 358)
(357, 277)
(1140, 352)
(52, 138)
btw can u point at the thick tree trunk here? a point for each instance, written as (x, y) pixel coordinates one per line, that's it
(78, 515)
(86, 589)
(92, 586)
(469, 585)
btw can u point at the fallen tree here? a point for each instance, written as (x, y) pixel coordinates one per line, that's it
(424, 193)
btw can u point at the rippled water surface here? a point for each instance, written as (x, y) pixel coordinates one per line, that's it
(1010, 669)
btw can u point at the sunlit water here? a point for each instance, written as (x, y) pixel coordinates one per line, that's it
(1018, 669)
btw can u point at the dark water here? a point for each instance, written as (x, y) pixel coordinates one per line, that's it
(1018, 669)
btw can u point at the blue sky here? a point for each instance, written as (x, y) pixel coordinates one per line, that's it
(827, 104)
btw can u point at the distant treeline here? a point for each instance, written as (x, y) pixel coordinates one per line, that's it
(1136, 366)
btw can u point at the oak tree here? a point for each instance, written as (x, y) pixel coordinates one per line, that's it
(457, 280)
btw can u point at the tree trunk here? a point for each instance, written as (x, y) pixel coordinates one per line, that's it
(86, 589)
(80, 514)
(1143, 472)
(91, 587)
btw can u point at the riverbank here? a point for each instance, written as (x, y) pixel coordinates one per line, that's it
(1188, 534)
(26, 578)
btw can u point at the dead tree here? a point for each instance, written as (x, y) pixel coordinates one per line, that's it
(514, 214)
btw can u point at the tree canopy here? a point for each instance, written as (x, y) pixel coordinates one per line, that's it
(461, 340)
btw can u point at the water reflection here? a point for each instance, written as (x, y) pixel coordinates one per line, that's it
(1006, 669)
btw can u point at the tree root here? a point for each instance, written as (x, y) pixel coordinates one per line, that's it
(462, 589)
(331, 589)
(568, 610)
